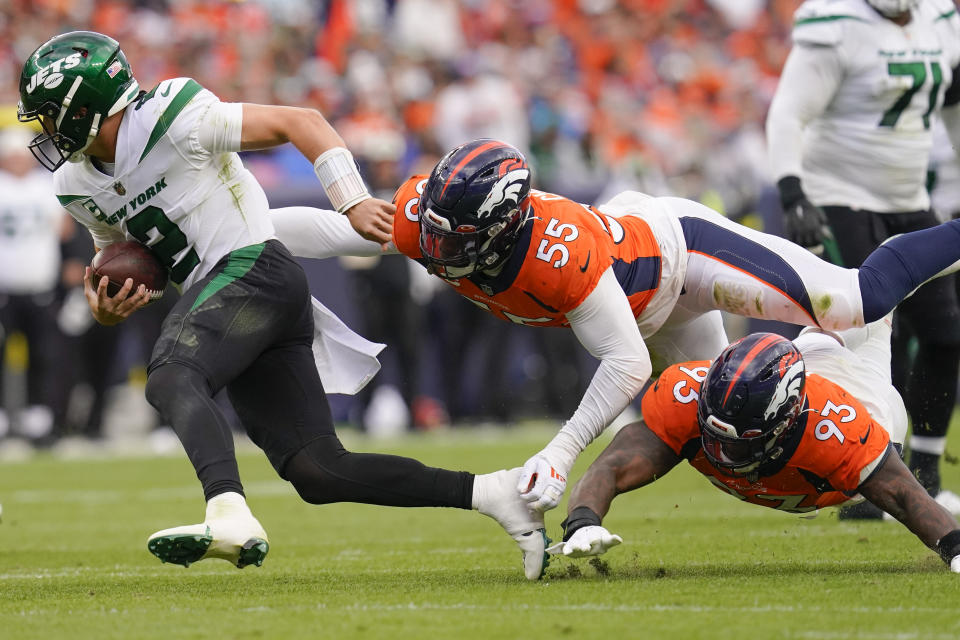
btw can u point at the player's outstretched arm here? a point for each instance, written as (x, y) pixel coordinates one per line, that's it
(267, 126)
(321, 233)
(108, 310)
(604, 324)
(894, 489)
(636, 457)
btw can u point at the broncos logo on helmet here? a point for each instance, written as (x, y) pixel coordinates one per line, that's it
(788, 389)
(505, 192)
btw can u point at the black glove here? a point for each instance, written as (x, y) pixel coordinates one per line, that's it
(805, 222)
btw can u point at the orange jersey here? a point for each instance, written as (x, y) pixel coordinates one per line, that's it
(558, 259)
(839, 448)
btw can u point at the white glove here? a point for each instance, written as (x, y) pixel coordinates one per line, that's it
(587, 541)
(541, 483)
(955, 564)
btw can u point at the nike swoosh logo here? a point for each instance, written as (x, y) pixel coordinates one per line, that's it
(863, 440)
(166, 90)
(586, 264)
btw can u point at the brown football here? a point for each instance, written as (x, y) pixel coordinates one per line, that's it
(122, 260)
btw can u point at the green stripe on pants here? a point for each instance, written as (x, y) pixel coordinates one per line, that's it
(239, 262)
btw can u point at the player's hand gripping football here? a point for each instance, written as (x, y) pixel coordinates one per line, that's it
(373, 219)
(109, 310)
(586, 541)
(542, 483)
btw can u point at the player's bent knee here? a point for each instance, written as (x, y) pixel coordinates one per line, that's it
(312, 471)
(168, 382)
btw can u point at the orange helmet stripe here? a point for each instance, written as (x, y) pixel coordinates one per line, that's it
(760, 346)
(470, 156)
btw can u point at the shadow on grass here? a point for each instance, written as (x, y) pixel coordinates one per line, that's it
(637, 568)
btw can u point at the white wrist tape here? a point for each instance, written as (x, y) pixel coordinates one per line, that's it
(340, 179)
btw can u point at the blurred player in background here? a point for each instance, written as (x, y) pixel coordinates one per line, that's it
(31, 224)
(795, 426)
(640, 280)
(161, 167)
(849, 135)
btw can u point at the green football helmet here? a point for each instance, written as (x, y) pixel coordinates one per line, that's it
(71, 84)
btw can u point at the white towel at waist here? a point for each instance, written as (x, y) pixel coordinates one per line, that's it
(346, 361)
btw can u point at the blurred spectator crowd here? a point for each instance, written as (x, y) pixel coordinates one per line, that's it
(664, 96)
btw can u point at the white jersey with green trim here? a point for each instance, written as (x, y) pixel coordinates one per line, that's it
(191, 206)
(869, 148)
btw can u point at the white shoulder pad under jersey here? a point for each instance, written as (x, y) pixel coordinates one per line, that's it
(823, 22)
(191, 206)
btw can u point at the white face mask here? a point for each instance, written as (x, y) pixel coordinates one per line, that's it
(893, 7)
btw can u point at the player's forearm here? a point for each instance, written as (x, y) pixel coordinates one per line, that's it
(320, 233)
(894, 489)
(614, 385)
(604, 324)
(636, 457)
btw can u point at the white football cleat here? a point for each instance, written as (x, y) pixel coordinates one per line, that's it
(495, 495)
(230, 532)
(949, 501)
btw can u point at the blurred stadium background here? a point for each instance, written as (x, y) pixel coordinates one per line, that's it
(662, 96)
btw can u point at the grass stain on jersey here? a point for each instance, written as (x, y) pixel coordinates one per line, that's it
(822, 304)
(731, 297)
(227, 176)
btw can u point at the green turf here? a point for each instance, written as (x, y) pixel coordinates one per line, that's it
(694, 564)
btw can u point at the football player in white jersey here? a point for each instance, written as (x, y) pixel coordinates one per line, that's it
(849, 136)
(31, 223)
(161, 167)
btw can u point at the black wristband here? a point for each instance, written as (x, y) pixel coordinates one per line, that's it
(579, 518)
(790, 190)
(949, 546)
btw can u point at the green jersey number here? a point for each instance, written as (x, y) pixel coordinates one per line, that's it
(918, 71)
(172, 243)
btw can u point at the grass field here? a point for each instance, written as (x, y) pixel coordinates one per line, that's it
(694, 564)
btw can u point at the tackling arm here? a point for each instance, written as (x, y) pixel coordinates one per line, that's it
(894, 489)
(321, 233)
(605, 325)
(636, 457)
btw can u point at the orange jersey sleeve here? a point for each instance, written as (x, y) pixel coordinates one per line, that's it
(669, 407)
(406, 218)
(839, 447)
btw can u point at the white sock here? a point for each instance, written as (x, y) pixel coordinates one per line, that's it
(481, 485)
(227, 504)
